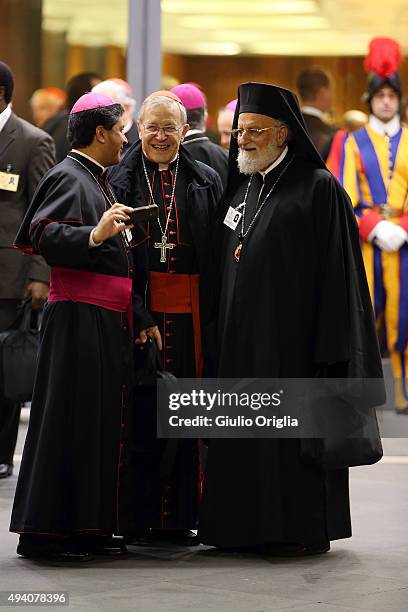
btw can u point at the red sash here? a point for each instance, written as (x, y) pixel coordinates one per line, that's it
(179, 293)
(104, 290)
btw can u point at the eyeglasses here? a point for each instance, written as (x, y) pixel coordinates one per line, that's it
(169, 130)
(253, 132)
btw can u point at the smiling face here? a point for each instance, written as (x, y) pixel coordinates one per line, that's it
(258, 152)
(161, 131)
(385, 104)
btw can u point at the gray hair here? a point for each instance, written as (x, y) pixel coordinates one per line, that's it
(162, 101)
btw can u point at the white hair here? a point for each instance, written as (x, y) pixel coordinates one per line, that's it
(112, 90)
(162, 101)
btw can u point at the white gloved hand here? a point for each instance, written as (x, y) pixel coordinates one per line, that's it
(388, 236)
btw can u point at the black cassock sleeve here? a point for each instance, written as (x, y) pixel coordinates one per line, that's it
(58, 230)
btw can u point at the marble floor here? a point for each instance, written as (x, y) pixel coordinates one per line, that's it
(368, 572)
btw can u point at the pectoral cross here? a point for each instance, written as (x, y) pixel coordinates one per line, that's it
(163, 246)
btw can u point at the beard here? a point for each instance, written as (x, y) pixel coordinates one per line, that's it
(252, 162)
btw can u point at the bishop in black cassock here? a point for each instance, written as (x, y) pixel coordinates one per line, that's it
(72, 490)
(291, 271)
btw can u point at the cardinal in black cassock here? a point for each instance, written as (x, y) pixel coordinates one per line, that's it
(291, 272)
(72, 492)
(174, 293)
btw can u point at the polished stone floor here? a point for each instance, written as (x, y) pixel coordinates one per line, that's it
(368, 572)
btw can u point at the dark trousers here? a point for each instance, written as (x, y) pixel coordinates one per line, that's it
(9, 411)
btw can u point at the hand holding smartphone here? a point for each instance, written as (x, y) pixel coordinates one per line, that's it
(143, 213)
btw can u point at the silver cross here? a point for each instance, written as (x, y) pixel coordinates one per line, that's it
(163, 246)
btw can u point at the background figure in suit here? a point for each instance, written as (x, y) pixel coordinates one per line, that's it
(26, 153)
(315, 90)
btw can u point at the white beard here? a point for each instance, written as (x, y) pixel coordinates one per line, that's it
(250, 163)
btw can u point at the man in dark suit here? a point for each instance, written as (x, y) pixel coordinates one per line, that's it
(26, 153)
(316, 95)
(196, 140)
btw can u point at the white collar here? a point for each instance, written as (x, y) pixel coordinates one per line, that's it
(379, 127)
(166, 166)
(315, 112)
(5, 116)
(88, 157)
(191, 132)
(162, 166)
(263, 173)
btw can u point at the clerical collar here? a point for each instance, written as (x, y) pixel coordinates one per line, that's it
(159, 166)
(390, 128)
(89, 158)
(193, 132)
(5, 116)
(315, 112)
(281, 157)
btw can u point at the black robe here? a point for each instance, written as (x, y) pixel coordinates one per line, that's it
(169, 473)
(285, 312)
(202, 149)
(74, 473)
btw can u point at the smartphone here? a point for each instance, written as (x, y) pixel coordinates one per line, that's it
(143, 213)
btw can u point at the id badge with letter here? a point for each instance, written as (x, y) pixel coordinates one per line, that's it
(9, 181)
(232, 218)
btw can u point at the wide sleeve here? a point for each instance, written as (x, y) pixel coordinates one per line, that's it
(332, 337)
(345, 330)
(57, 231)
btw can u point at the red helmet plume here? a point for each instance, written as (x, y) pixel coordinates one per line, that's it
(384, 57)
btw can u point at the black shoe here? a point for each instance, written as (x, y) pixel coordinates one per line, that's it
(294, 550)
(397, 410)
(5, 470)
(100, 545)
(109, 547)
(141, 538)
(179, 537)
(53, 552)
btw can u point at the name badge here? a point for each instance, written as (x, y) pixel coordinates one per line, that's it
(8, 181)
(232, 218)
(128, 234)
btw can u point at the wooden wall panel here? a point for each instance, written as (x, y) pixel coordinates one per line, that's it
(20, 48)
(220, 76)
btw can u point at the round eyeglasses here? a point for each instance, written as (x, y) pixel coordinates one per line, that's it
(168, 130)
(253, 132)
